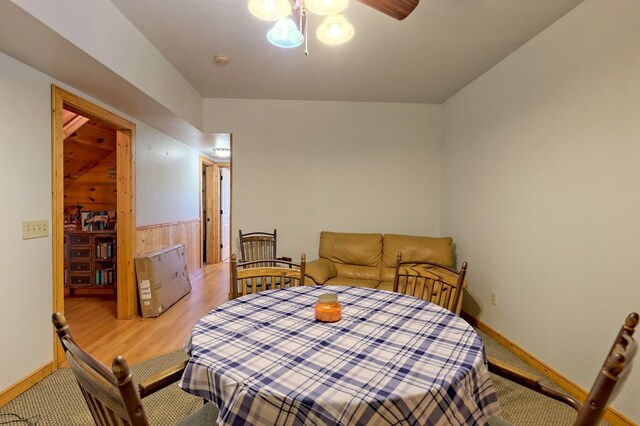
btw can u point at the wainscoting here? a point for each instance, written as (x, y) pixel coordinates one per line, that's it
(157, 237)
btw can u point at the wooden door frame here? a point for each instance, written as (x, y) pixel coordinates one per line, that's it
(125, 154)
(215, 203)
(218, 230)
(206, 162)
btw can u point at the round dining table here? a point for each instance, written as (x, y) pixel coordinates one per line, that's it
(392, 359)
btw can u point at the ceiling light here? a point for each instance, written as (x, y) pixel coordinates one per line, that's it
(221, 152)
(285, 34)
(335, 30)
(326, 7)
(270, 10)
(290, 29)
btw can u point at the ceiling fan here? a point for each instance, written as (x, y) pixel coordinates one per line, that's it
(398, 9)
(290, 29)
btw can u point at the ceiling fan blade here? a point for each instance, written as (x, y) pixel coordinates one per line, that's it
(398, 9)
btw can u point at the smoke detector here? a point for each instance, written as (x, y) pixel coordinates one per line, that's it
(221, 60)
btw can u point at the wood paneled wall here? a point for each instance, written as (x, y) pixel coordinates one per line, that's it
(157, 237)
(96, 188)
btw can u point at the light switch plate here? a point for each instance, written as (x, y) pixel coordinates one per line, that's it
(35, 229)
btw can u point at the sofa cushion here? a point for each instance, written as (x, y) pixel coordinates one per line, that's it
(358, 272)
(353, 282)
(351, 248)
(385, 285)
(388, 274)
(436, 250)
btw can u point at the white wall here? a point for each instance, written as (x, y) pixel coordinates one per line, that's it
(99, 29)
(162, 165)
(25, 171)
(167, 178)
(303, 167)
(541, 189)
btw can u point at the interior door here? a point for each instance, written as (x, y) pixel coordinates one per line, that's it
(225, 209)
(208, 214)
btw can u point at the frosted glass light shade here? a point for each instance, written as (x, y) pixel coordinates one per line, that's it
(270, 10)
(335, 30)
(326, 7)
(285, 34)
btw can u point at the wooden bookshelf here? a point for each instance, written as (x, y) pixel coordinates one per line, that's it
(90, 263)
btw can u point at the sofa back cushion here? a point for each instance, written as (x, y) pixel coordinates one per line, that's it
(437, 250)
(351, 248)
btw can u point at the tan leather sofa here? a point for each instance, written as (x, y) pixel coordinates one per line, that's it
(369, 260)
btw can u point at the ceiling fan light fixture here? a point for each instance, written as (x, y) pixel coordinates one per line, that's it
(335, 29)
(326, 7)
(285, 34)
(222, 152)
(270, 10)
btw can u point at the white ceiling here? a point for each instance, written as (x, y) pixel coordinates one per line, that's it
(441, 47)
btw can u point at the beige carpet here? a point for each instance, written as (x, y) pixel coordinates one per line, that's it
(524, 407)
(56, 401)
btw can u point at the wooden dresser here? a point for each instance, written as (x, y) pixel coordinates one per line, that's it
(90, 263)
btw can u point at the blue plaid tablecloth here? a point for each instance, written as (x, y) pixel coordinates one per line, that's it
(263, 359)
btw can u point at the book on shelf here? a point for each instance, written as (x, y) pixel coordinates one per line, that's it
(105, 250)
(105, 276)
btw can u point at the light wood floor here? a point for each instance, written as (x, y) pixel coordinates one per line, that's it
(95, 327)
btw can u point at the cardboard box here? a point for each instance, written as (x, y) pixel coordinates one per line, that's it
(163, 279)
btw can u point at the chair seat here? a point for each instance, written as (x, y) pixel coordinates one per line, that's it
(206, 415)
(499, 421)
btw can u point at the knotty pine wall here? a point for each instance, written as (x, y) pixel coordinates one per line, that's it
(157, 237)
(96, 189)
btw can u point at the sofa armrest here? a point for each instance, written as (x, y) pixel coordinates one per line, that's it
(321, 270)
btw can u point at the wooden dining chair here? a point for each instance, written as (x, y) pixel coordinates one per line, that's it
(111, 394)
(252, 277)
(431, 282)
(259, 246)
(608, 383)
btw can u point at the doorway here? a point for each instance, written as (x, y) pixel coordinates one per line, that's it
(215, 210)
(124, 174)
(225, 213)
(90, 206)
(208, 201)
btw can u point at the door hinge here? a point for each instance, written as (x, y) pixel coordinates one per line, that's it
(221, 246)
(221, 212)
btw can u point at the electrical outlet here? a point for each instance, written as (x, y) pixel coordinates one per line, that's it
(494, 298)
(35, 229)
